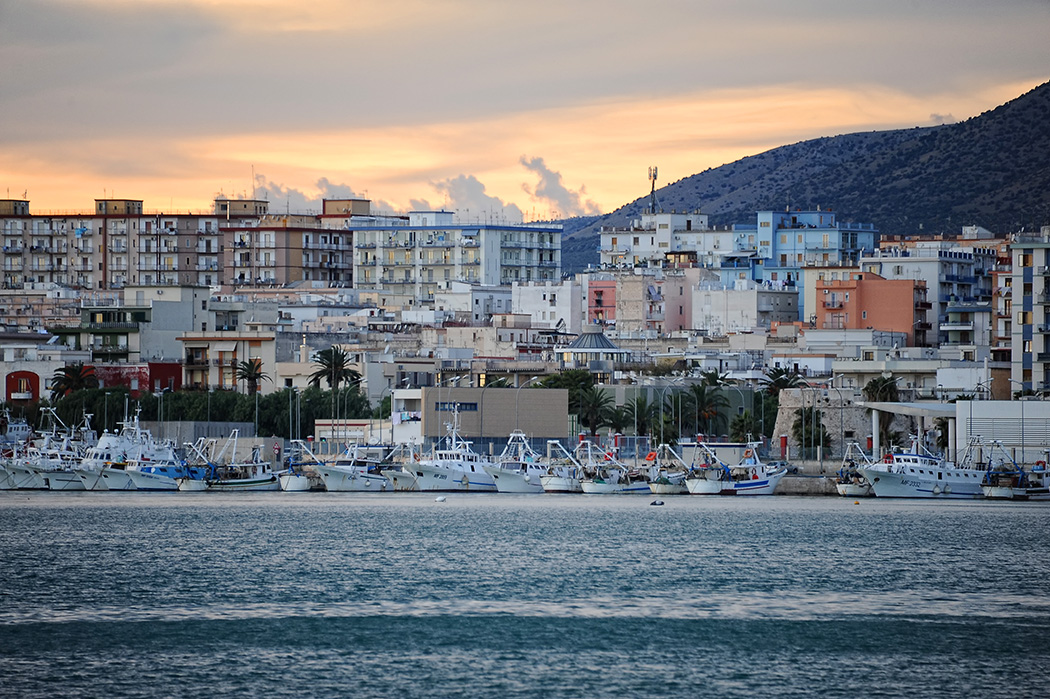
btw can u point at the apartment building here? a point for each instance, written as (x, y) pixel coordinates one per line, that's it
(411, 258)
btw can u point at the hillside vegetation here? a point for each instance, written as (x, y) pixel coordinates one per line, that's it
(992, 170)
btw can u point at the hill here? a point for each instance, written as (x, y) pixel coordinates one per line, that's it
(992, 170)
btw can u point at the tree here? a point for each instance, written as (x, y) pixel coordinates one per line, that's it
(643, 413)
(251, 372)
(333, 368)
(882, 389)
(711, 377)
(71, 378)
(575, 380)
(618, 417)
(744, 427)
(779, 378)
(708, 407)
(591, 407)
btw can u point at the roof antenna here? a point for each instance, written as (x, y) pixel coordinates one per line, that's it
(652, 194)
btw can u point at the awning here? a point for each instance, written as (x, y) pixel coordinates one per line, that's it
(224, 346)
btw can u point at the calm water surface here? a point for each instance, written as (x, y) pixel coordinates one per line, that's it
(198, 595)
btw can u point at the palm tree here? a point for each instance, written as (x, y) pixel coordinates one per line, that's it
(251, 372)
(618, 417)
(334, 368)
(711, 377)
(592, 405)
(709, 406)
(744, 426)
(779, 378)
(643, 413)
(73, 377)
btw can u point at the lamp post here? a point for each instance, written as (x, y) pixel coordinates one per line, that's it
(663, 396)
(842, 432)
(1021, 399)
(517, 394)
(380, 409)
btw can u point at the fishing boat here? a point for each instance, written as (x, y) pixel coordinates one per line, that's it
(667, 471)
(352, 470)
(52, 460)
(849, 481)
(750, 476)
(225, 473)
(519, 468)
(563, 472)
(453, 466)
(605, 474)
(919, 474)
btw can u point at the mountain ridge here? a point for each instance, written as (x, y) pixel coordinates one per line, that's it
(991, 170)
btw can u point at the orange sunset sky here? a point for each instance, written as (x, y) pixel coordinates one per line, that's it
(489, 108)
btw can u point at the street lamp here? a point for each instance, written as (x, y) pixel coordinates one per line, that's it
(380, 409)
(842, 433)
(517, 394)
(1021, 399)
(663, 396)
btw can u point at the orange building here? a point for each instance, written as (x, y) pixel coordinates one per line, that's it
(867, 300)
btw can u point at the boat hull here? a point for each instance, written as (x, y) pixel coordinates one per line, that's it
(609, 488)
(402, 480)
(343, 480)
(953, 484)
(512, 481)
(855, 490)
(435, 478)
(23, 477)
(755, 486)
(561, 484)
(294, 482)
(234, 485)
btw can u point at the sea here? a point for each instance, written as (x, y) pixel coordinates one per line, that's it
(491, 595)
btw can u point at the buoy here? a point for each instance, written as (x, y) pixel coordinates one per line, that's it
(528, 478)
(856, 502)
(656, 503)
(439, 498)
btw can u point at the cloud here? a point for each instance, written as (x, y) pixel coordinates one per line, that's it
(550, 190)
(940, 119)
(283, 198)
(467, 196)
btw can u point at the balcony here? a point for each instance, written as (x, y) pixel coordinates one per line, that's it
(956, 326)
(201, 362)
(923, 305)
(1043, 357)
(833, 304)
(110, 349)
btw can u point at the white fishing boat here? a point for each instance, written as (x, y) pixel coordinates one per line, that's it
(519, 468)
(53, 459)
(919, 474)
(453, 466)
(750, 476)
(604, 474)
(227, 474)
(667, 471)
(355, 469)
(563, 473)
(15, 430)
(849, 481)
(130, 459)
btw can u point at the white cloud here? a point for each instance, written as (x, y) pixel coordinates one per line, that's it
(466, 196)
(549, 190)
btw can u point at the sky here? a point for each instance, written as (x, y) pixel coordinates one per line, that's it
(494, 109)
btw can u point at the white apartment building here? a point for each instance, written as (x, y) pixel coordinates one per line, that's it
(953, 274)
(413, 257)
(557, 305)
(743, 307)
